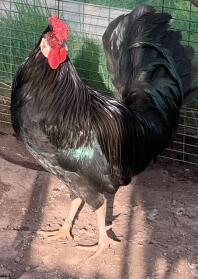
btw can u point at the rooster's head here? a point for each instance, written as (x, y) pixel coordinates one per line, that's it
(53, 44)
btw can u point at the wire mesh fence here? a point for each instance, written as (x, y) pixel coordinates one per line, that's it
(23, 21)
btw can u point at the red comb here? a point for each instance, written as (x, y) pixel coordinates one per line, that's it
(60, 29)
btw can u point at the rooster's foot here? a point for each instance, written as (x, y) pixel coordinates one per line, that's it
(98, 249)
(63, 233)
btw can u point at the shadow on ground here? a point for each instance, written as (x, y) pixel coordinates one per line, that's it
(167, 246)
(155, 219)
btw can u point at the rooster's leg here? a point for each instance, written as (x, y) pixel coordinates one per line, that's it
(64, 232)
(104, 241)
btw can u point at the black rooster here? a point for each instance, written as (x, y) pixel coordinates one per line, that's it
(92, 143)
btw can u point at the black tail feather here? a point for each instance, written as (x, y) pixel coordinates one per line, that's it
(129, 64)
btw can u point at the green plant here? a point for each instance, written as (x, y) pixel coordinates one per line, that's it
(126, 4)
(89, 59)
(19, 31)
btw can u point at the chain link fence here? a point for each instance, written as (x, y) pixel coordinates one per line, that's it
(23, 21)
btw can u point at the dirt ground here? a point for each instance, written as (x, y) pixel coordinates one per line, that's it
(155, 221)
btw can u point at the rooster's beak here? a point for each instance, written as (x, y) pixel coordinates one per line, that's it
(65, 46)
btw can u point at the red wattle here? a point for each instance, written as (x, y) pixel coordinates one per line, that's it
(56, 56)
(53, 59)
(62, 55)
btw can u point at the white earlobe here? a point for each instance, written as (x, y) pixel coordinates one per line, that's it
(45, 48)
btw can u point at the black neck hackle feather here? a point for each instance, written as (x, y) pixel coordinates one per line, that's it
(145, 69)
